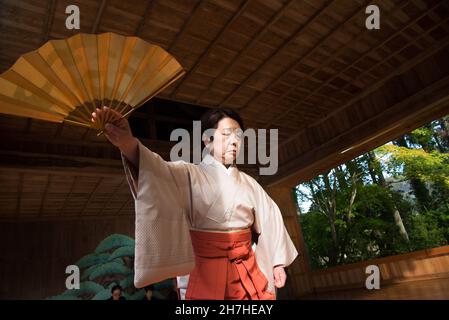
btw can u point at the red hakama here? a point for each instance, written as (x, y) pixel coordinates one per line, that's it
(225, 268)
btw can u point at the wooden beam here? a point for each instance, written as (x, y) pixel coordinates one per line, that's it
(19, 195)
(362, 73)
(98, 16)
(186, 24)
(126, 217)
(283, 196)
(274, 19)
(285, 44)
(124, 181)
(206, 52)
(21, 140)
(25, 162)
(298, 62)
(333, 56)
(50, 17)
(145, 17)
(91, 195)
(41, 206)
(403, 68)
(123, 205)
(68, 195)
(417, 110)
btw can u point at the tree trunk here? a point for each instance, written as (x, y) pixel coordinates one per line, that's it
(331, 215)
(419, 188)
(381, 179)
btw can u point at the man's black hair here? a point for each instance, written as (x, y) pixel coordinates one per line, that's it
(115, 288)
(210, 119)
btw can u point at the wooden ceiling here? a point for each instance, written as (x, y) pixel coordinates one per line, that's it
(309, 68)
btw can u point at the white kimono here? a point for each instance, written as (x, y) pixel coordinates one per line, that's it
(172, 197)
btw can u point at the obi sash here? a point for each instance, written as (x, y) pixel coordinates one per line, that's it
(225, 268)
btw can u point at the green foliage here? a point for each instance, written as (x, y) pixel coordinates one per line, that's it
(427, 232)
(109, 268)
(114, 241)
(128, 281)
(92, 259)
(110, 264)
(355, 215)
(104, 294)
(430, 167)
(126, 251)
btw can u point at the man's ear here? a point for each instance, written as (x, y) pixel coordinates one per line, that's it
(207, 139)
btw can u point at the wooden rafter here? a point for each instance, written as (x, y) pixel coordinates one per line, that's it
(44, 195)
(408, 65)
(50, 18)
(123, 205)
(429, 103)
(335, 56)
(206, 52)
(71, 217)
(274, 19)
(284, 45)
(112, 195)
(67, 197)
(362, 73)
(298, 62)
(19, 195)
(98, 16)
(91, 195)
(186, 25)
(145, 17)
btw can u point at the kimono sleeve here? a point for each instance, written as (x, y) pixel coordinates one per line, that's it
(274, 246)
(160, 190)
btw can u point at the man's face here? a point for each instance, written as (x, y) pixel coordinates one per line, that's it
(227, 141)
(116, 294)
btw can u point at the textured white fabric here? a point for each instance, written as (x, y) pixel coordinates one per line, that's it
(172, 197)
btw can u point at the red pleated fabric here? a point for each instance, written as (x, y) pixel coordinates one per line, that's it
(225, 268)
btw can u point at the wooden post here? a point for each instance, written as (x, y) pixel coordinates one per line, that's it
(299, 272)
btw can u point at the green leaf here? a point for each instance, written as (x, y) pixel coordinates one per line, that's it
(126, 251)
(109, 268)
(114, 241)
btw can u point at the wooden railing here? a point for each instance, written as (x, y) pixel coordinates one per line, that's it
(416, 275)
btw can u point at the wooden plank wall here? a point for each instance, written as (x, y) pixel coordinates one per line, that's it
(35, 254)
(417, 275)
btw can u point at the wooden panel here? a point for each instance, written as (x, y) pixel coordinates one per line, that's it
(417, 275)
(35, 254)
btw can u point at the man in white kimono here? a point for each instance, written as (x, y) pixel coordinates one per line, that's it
(179, 205)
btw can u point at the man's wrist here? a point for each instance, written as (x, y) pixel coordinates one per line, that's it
(128, 145)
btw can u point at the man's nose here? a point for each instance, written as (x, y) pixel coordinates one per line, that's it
(234, 138)
(234, 141)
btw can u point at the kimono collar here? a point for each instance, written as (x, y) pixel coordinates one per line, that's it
(209, 160)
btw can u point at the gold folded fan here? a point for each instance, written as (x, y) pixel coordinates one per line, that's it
(65, 80)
